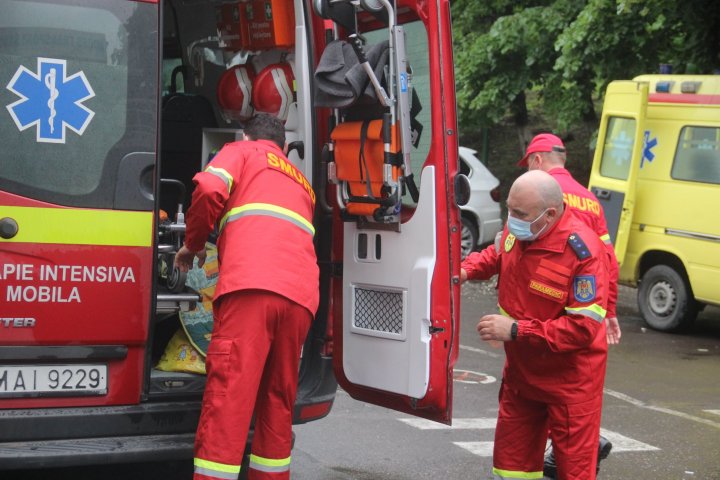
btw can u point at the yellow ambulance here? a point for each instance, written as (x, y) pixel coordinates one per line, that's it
(656, 172)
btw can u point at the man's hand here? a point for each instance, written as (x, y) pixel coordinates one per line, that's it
(463, 275)
(495, 327)
(184, 258)
(613, 330)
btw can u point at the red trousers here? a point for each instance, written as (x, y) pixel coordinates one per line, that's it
(521, 435)
(252, 365)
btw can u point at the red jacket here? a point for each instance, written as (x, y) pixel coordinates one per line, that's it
(587, 207)
(556, 287)
(263, 208)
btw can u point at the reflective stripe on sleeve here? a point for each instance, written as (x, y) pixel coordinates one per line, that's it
(499, 474)
(222, 174)
(216, 470)
(503, 312)
(270, 465)
(269, 210)
(606, 239)
(594, 311)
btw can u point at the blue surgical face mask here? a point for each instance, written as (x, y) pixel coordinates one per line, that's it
(522, 228)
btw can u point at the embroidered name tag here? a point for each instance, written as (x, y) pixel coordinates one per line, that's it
(547, 290)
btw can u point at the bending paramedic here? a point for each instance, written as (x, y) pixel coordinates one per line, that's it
(265, 300)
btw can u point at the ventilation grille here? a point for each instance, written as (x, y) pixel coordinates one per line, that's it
(377, 310)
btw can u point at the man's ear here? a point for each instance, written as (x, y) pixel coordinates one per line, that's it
(554, 212)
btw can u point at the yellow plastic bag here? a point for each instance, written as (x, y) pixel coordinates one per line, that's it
(181, 356)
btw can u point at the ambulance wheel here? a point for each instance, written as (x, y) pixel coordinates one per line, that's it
(665, 300)
(468, 237)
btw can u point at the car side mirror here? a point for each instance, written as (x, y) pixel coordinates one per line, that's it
(462, 189)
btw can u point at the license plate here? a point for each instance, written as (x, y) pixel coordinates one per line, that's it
(52, 380)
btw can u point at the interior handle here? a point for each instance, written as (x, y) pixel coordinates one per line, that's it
(602, 194)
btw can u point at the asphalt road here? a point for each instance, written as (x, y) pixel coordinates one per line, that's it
(661, 411)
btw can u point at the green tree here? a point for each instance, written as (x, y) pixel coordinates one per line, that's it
(566, 52)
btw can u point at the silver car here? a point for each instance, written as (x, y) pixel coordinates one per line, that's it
(481, 216)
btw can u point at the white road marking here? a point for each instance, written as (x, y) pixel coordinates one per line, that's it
(641, 404)
(714, 412)
(482, 378)
(621, 443)
(457, 424)
(481, 351)
(481, 449)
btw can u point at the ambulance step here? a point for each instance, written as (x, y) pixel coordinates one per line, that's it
(95, 451)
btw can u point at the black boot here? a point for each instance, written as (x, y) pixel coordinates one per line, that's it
(604, 448)
(550, 468)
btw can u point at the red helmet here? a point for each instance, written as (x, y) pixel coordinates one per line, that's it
(234, 91)
(273, 90)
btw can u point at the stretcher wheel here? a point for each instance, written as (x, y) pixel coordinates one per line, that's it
(175, 278)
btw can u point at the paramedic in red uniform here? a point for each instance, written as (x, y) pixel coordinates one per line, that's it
(546, 152)
(552, 295)
(266, 296)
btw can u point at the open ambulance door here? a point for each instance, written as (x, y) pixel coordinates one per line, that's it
(620, 148)
(397, 294)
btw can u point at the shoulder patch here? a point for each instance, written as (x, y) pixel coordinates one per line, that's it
(509, 242)
(584, 288)
(578, 246)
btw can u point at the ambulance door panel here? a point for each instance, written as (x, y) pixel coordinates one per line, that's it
(79, 132)
(386, 301)
(619, 151)
(396, 302)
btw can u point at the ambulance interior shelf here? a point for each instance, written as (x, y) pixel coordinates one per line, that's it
(369, 151)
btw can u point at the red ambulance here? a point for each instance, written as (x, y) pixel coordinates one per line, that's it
(110, 108)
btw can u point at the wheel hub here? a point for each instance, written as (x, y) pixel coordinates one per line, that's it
(662, 299)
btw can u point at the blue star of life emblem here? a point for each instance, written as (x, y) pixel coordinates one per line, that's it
(50, 100)
(648, 145)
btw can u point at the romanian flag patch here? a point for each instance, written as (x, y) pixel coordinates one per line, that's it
(584, 288)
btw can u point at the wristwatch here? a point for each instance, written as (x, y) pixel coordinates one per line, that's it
(513, 330)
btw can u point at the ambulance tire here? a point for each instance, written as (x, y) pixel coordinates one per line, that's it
(665, 300)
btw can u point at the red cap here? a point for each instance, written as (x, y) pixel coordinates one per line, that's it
(545, 142)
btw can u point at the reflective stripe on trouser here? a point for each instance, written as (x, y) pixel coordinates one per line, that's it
(268, 465)
(210, 469)
(521, 435)
(269, 210)
(252, 364)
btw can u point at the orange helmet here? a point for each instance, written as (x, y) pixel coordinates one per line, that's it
(234, 92)
(273, 90)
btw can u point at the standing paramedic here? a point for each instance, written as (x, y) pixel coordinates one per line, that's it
(552, 295)
(265, 299)
(547, 152)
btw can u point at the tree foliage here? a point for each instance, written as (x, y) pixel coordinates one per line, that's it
(567, 51)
